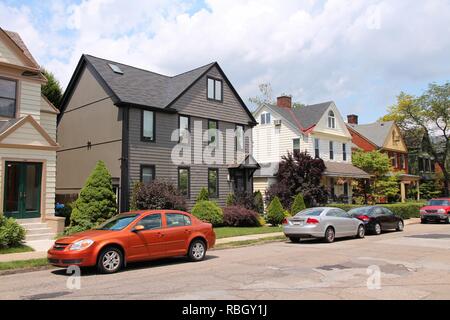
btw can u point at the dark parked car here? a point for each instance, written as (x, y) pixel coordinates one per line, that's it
(378, 219)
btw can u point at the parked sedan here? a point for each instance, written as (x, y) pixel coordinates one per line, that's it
(325, 223)
(378, 219)
(135, 236)
(436, 210)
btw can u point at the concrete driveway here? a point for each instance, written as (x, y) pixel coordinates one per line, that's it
(414, 264)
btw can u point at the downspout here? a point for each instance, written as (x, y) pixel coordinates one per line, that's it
(124, 163)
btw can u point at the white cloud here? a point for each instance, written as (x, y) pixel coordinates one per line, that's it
(358, 53)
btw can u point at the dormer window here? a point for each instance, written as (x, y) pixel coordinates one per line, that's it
(215, 89)
(265, 118)
(331, 120)
(8, 89)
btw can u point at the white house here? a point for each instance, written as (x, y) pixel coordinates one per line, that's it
(317, 129)
(27, 141)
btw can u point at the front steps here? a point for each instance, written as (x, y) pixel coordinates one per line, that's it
(36, 230)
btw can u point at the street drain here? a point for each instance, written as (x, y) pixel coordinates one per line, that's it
(43, 296)
(334, 267)
(430, 236)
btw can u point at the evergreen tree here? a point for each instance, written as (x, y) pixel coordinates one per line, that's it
(275, 212)
(52, 89)
(203, 195)
(298, 204)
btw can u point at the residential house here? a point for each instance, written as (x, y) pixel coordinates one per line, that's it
(135, 120)
(317, 129)
(27, 140)
(387, 138)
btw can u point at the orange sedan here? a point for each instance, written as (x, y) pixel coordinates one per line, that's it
(135, 236)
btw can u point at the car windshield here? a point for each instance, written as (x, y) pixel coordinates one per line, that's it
(365, 210)
(310, 212)
(439, 203)
(118, 222)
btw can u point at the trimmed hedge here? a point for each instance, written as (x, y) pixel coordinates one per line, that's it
(208, 211)
(11, 233)
(404, 210)
(236, 216)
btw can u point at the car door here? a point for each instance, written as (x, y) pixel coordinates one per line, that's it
(391, 219)
(349, 225)
(381, 217)
(337, 222)
(178, 230)
(152, 235)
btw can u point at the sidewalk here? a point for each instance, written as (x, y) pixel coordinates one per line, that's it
(43, 254)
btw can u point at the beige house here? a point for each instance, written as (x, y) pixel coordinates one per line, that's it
(27, 141)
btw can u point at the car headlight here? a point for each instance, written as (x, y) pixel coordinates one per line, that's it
(441, 211)
(81, 245)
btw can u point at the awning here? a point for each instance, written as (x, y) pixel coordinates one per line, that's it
(408, 178)
(248, 162)
(344, 170)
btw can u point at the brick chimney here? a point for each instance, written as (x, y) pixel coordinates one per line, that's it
(284, 102)
(352, 119)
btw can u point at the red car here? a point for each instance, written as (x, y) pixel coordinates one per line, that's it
(436, 210)
(135, 236)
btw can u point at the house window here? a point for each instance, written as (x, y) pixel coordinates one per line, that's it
(148, 125)
(331, 120)
(402, 161)
(296, 145)
(316, 148)
(394, 160)
(215, 89)
(147, 174)
(8, 90)
(427, 165)
(239, 137)
(184, 126)
(344, 152)
(213, 127)
(331, 150)
(421, 160)
(184, 181)
(213, 183)
(265, 118)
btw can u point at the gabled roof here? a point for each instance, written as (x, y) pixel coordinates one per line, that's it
(303, 118)
(374, 132)
(15, 37)
(140, 87)
(6, 124)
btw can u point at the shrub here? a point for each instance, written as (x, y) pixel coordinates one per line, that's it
(65, 211)
(298, 204)
(236, 216)
(246, 200)
(11, 233)
(96, 203)
(133, 201)
(230, 199)
(203, 195)
(275, 212)
(261, 221)
(259, 202)
(159, 194)
(208, 211)
(404, 210)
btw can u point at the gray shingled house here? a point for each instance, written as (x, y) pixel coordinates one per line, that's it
(128, 118)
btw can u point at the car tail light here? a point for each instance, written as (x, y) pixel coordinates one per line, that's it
(364, 218)
(312, 221)
(285, 221)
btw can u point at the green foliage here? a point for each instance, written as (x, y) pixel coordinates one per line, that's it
(52, 89)
(208, 211)
(134, 193)
(11, 233)
(262, 222)
(430, 189)
(230, 199)
(374, 163)
(203, 195)
(65, 212)
(298, 204)
(96, 203)
(406, 210)
(275, 212)
(259, 202)
(387, 187)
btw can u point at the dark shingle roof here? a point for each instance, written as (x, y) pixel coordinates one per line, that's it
(142, 87)
(375, 132)
(340, 169)
(304, 117)
(15, 37)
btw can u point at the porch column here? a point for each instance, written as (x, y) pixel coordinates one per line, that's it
(403, 191)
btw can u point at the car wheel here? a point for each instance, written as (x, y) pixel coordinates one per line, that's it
(329, 235)
(197, 250)
(447, 221)
(361, 232)
(400, 226)
(377, 229)
(294, 239)
(110, 260)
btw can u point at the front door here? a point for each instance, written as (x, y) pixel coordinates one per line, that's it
(239, 181)
(22, 192)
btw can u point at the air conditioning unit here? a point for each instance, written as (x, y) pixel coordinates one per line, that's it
(277, 123)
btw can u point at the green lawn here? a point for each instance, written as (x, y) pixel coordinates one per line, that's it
(246, 243)
(21, 264)
(227, 232)
(22, 248)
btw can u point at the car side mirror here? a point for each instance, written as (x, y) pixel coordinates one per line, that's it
(138, 228)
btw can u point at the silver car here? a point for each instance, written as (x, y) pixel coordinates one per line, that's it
(326, 223)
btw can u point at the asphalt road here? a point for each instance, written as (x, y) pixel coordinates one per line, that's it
(414, 264)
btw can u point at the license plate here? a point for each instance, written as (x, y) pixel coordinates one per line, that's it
(298, 223)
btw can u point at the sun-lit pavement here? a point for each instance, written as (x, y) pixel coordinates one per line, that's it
(414, 264)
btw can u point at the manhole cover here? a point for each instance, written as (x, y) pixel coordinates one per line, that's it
(333, 267)
(431, 236)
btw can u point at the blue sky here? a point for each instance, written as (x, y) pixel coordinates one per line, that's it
(361, 54)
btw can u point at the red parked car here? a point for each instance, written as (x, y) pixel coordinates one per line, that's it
(135, 236)
(436, 210)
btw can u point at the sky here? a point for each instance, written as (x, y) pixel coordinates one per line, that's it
(359, 53)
